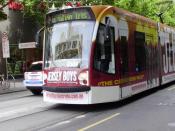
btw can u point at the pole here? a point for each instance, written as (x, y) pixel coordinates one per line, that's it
(6, 68)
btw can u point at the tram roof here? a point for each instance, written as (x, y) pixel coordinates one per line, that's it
(129, 16)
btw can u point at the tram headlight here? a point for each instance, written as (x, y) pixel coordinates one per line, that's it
(84, 78)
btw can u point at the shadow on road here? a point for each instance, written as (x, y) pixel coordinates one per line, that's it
(111, 105)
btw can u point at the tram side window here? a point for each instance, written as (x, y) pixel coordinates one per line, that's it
(124, 55)
(140, 51)
(104, 51)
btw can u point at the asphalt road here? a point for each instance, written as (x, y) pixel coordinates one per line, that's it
(149, 111)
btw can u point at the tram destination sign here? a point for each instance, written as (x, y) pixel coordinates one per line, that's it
(69, 15)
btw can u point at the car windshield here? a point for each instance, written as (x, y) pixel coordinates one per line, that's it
(68, 44)
(35, 67)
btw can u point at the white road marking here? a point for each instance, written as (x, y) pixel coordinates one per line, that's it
(81, 116)
(63, 122)
(171, 124)
(99, 122)
(172, 88)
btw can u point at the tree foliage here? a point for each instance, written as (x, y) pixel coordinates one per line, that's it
(148, 8)
(151, 9)
(3, 15)
(35, 9)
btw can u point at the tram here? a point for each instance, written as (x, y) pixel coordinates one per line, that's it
(100, 54)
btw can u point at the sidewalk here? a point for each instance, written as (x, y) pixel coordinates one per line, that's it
(15, 86)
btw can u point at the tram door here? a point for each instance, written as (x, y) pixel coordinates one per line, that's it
(124, 60)
(124, 52)
(149, 60)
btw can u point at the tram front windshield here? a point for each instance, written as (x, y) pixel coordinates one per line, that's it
(68, 44)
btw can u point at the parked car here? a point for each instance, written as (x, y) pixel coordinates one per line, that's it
(33, 78)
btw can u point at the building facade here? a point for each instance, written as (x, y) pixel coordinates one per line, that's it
(20, 31)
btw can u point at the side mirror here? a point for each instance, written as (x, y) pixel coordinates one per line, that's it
(37, 37)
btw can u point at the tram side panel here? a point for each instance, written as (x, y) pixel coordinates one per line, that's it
(111, 74)
(143, 54)
(136, 59)
(167, 43)
(104, 74)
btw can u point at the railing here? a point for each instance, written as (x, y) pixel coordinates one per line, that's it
(13, 78)
(6, 83)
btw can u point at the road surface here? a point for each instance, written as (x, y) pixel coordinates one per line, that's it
(149, 111)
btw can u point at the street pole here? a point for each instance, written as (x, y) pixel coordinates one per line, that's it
(6, 68)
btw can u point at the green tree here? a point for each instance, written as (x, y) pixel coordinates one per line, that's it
(148, 8)
(108, 2)
(35, 9)
(153, 9)
(3, 16)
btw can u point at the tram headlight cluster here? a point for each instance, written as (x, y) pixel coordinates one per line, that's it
(84, 78)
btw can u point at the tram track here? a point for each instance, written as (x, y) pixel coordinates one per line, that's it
(23, 107)
(22, 112)
(37, 115)
(14, 95)
(26, 112)
(38, 120)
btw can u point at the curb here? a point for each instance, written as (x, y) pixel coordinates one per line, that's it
(15, 86)
(11, 91)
